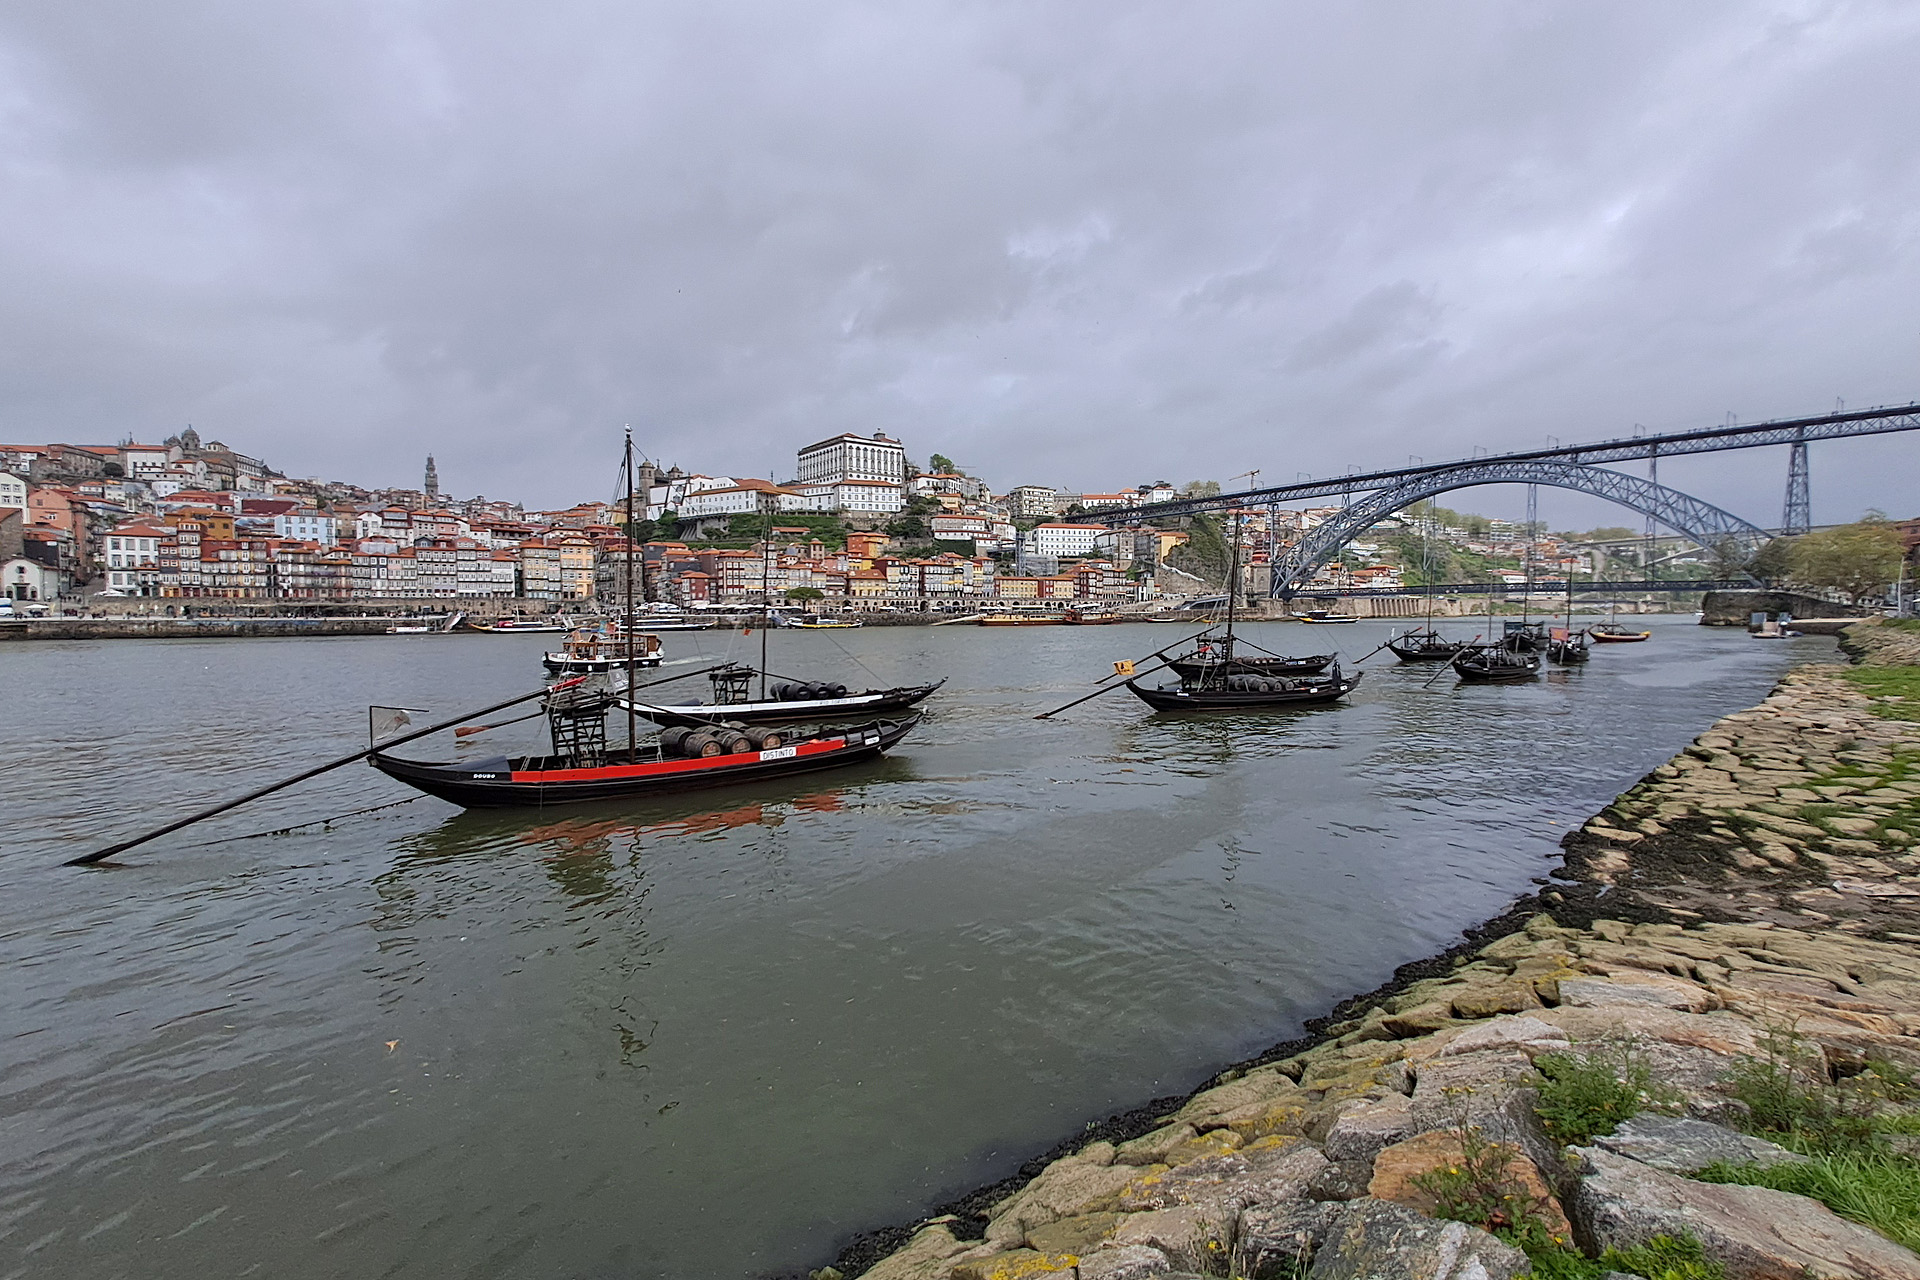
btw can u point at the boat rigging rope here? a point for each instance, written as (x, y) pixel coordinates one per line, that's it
(850, 657)
(316, 822)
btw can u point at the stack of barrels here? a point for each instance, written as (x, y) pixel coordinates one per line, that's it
(784, 692)
(730, 738)
(1258, 684)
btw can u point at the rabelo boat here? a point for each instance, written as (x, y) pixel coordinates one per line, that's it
(1214, 677)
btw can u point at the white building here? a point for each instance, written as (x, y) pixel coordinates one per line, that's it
(847, 456)
(868, 496)
(133, 559)
(705, 503)
(305, 524)
(147, 461)
(1031, 501)
(24, 579)
(1067, 540)
(670, 491)
(13, 491)
(932, 482)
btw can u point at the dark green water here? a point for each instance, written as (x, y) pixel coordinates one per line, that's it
(711, 1037)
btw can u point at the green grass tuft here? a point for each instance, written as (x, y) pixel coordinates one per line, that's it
(1586, 1095)
(1889, 682)
(1875, 1188)
(1661, 1258)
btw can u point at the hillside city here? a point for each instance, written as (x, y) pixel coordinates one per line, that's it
(859, 524)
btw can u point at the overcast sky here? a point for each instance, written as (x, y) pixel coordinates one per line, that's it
(1082, 244)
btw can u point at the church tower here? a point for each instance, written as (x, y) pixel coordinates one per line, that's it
(433, 479)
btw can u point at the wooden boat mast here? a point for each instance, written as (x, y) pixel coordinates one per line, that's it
(1526, 601)
(766, 603)
(1233, 570)
(1233, 579)
(627, 621)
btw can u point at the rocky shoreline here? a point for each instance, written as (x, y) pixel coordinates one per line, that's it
(1745, 918)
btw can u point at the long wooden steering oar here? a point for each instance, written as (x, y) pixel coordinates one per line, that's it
(1161, 653)
(1104, 689)
(1448, 664)
(100, 855)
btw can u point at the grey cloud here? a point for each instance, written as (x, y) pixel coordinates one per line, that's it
(1085, 243)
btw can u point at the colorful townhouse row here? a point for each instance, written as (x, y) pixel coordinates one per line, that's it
(862, 574)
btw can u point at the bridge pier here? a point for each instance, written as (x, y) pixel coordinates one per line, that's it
(1798, 515)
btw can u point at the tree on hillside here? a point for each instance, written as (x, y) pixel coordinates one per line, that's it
(1858, 559)
(1200, 489)
(912, 520)
(1729, 559)
(1773, 562)
(941, 464)
(1205, 554)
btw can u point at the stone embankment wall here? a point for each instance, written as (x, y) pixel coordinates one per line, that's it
(186, 628)
(1735, 608)
(1762, 888)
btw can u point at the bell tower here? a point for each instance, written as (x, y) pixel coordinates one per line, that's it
(433, 479)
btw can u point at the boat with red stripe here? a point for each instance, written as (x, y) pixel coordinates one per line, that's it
(678, 760)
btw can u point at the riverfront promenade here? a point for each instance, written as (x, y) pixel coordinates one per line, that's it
(1733, 952)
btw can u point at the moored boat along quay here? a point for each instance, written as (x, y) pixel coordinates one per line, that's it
(1669, 1061)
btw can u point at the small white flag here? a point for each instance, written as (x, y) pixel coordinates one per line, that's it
(389, 722)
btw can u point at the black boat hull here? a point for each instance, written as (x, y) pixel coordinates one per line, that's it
(1567, 654)
(1191, 668)
(693, 715)
(1184, 699)
(594, 666)
(486, 785)
(1424, 653)
(1474, 669)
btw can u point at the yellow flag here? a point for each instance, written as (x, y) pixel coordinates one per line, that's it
(1123, 668)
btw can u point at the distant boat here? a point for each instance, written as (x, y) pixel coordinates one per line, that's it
(592, 650)
(425, 628)
(671, 624)
(1525, 637)
(824, 624)
(785, 702)
(502, 626)
(1327, 616)
(1611, 632)
(1567, 648)
(1424, 646)
(1023, 619)
(1495, 664)
(1215, 677)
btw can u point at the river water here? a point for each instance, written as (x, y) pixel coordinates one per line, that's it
(712, 1036)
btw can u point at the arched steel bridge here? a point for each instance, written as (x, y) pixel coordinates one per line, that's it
(1701, 521)
(1571, 467)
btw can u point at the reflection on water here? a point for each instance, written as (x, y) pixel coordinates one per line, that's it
(713, 1034)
